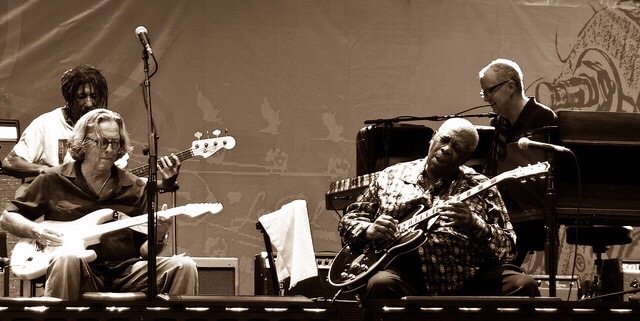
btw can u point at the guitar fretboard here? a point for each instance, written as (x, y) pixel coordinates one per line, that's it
(530, 170)
(144, 169)
(129, 222)
(458, 198)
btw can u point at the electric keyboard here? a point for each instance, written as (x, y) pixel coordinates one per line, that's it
(344, 192)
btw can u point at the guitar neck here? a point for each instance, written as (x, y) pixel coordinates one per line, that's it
(99, 230)
(418, 218)
(144, 169)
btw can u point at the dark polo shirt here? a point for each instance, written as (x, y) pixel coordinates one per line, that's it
(533, 115)
(62, 194)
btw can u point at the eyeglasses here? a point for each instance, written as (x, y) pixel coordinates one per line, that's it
(492, 89)
(104, 143)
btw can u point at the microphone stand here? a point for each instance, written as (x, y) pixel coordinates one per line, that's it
(551, 253)
(388, 124)
(151, 185)
(389, 121)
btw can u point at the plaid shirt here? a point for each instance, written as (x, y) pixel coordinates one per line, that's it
(450, 256)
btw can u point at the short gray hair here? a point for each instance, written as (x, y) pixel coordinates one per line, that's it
(505, 69)
(89, 123)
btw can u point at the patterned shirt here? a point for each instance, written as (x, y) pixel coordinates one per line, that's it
(450, 256)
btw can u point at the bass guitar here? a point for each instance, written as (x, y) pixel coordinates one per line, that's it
(201, 147)
(351, 269)
(30, 259)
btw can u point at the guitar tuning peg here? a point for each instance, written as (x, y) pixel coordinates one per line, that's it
(226, 132)
(208, 135)
(198, 135)
(216, 132)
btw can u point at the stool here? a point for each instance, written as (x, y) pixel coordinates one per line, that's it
(599, 237)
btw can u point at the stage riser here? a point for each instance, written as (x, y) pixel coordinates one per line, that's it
(466, 316)
(304, 316)
(163, 316)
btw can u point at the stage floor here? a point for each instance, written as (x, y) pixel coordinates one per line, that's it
(264, 308)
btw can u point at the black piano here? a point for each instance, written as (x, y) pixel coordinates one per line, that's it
(606, 146)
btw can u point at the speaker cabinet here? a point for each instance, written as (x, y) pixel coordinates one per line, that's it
(631, 279)
(217, 275)
(566, 286)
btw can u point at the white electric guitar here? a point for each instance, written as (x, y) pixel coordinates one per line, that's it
(30, 259)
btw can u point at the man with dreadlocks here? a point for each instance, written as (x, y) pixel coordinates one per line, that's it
(43, 143)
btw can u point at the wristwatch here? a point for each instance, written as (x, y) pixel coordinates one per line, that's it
(163, 239)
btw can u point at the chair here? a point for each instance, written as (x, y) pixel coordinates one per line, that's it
(599, 237)
(32, 285)
(4, 260)
(282, 229)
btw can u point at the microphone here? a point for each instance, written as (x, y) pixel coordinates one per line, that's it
(525, 143)
(143, 34)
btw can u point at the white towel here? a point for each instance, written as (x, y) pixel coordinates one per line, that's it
(288, 229)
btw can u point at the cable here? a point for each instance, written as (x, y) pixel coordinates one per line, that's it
(470, 109)
(155, 62)
(577, 220)
(334, 208)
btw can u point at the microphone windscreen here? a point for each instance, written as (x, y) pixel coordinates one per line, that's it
(140, 30)
(523, 143)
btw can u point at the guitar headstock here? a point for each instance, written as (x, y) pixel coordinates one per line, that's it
(526, 171)
(197, 209)
(209, 146)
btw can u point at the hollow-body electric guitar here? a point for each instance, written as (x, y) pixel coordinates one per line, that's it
(30, 259)
(351, 269)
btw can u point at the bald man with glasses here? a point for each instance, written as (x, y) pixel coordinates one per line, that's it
(502, 87)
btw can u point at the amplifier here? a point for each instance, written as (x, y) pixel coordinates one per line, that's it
(312, 288)
(631, 279)
(566, 286)
(217, 275)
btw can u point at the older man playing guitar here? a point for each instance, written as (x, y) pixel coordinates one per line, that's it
(72, 191)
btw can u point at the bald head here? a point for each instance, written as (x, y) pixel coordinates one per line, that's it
(464, 127)
(451, 146)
